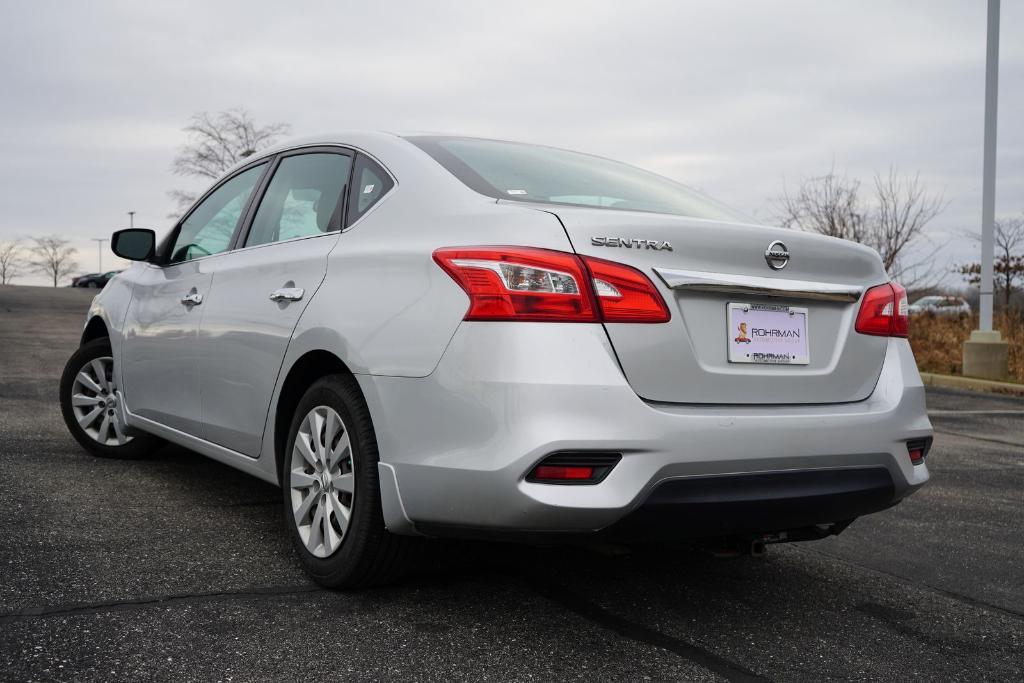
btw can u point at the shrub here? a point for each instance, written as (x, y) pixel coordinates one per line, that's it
(938, 341)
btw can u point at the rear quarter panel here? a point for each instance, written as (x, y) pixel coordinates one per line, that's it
(386, 308)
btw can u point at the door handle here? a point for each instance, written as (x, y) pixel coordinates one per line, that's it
(287, 294)
(192, 299)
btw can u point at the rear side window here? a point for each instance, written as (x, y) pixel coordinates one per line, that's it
(303, 198)
(370, 182)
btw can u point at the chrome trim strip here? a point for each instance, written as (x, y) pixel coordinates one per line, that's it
(732, 283)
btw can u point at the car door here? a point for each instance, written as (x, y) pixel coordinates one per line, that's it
(261, 289)
(159, 369)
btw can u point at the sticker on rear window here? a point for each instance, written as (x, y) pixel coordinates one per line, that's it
(516, 191)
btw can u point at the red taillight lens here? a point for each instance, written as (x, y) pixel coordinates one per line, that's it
(624, 294)
(883, 311)
(523, 283)
(520, 283)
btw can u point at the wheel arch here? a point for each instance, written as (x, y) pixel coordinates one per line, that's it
(96, 328)
(306, 369)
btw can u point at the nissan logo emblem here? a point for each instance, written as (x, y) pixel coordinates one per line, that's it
(776, 255)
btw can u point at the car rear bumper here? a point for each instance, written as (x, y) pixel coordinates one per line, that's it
(456, 446)
(760, 503)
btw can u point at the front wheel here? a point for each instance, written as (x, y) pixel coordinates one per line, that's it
(89, 402)
(331, 491)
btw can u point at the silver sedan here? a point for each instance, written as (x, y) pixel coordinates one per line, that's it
(421, 336)
(941, 305)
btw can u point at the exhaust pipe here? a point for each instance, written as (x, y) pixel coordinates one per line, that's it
(733, 546)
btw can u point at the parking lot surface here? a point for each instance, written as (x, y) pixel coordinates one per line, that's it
(177, 567)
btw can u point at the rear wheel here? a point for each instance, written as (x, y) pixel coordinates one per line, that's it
(331, 491)
(90, 404)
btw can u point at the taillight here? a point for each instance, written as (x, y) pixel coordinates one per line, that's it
(524, 283)
(901, 321)
(624, 294)
(884, 311)
(520, 283)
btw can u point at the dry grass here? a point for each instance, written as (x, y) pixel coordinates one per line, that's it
(938, 341)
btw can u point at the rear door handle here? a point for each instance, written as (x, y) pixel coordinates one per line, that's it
(192, 299)
(287, 294)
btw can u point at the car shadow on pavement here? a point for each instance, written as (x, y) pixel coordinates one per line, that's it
(197, 481)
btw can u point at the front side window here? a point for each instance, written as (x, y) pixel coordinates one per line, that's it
(303, 198)
(534, 173)
(370, 182)
(209, 228)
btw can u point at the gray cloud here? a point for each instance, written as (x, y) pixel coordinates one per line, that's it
(732, 97)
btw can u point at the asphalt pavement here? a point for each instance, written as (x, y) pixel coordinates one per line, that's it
(178, 568)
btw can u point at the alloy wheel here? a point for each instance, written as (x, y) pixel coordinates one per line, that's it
(322, 481)
(94, 400)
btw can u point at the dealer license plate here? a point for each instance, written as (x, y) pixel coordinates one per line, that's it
(767, 333)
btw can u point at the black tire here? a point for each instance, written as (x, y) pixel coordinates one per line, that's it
(140, 445)
(368, 554)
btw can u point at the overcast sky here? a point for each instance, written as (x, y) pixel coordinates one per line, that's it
(730, 97)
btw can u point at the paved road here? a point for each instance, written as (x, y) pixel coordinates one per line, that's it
(178, 567)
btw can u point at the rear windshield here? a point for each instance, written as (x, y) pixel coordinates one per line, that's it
(534, 173)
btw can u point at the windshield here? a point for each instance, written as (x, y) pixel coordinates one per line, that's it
(534, 173)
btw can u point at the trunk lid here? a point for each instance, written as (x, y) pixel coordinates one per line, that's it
(712, 264)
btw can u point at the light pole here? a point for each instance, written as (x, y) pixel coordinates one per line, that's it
(988, 192)
(985, 353)
(99, 243)
(131, 219)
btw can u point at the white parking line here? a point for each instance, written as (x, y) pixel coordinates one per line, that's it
(964, 435)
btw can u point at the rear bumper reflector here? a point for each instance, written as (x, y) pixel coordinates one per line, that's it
(573, 468)
(918, 449)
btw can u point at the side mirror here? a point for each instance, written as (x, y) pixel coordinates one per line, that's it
(134, 244)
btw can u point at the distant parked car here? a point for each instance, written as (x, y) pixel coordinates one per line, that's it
(94, 280)
(941, 305)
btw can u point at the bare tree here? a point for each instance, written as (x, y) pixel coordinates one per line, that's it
(1009, 237)
(895, 221)
(216, 142)
(52, 257)
(829, 204)
(11, 260)
(1009, 265)
(904, 208)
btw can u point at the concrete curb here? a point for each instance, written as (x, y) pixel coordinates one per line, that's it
(957, 382)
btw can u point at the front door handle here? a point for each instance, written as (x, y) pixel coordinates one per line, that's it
(192, 299)
(287, 294)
